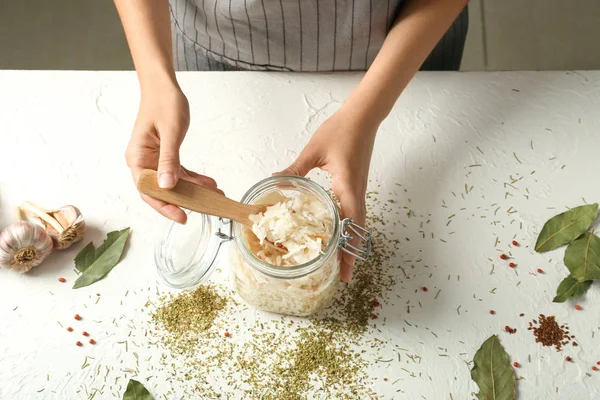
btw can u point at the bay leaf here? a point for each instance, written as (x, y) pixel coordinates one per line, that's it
(136, 391)
(566, 227)
(582, 257)
(106, 257)
(570, 287)
(85, 257)
(492, 372)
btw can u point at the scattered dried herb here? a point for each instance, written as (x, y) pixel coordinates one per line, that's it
(570, 287)
(104, 259)
(565, 227)
(187, 313)
(492, 372)
(136, 391)
(316, 352)
(582, 257)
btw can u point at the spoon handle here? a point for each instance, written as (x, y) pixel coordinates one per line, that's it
(197, 198)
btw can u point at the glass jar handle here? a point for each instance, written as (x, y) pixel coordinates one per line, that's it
(347, 229)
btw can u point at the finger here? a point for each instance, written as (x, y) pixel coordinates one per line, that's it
(346, 271)
(198, 179)
(168, 161)
(169, 211)
(353, 206)
(302, 166)
(135, 173)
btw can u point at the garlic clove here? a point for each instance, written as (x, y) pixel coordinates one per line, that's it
(24, 245)
(70, 218)
(65, 225)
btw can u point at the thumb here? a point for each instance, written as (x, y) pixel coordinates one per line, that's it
(168, 162)
(302, 166)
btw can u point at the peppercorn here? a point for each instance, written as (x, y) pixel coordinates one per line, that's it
(424, 289)
(62, 280)
(70, 329)
(77, 317)
(516, 364)
(504, 256)
(79, 344)
(492, 312)
(84, 333)
(540, 271)
(515, 243)
(568, 358)
(512, 265)
(92, 341)
(578, 307)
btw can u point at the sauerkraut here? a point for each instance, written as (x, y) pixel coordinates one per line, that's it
(293, 231)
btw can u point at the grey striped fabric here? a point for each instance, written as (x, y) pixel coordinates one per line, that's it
(285, 35)
(294, 35)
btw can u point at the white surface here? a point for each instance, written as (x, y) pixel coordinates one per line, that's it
(63, 137)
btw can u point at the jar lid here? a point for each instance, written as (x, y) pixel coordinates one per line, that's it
(185, 254)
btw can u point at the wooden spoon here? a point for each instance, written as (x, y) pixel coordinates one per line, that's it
(197, 198)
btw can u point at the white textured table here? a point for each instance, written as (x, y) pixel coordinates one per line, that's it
(62, 140)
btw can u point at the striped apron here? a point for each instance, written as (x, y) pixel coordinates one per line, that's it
(293, 35)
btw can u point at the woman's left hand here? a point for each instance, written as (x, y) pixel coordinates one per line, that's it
(343, 146)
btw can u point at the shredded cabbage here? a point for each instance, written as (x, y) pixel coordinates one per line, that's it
(293, 231)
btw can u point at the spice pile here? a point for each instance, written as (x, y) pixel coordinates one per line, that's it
(320, 351)
(186, 314)
(549, 333)
(271, 359)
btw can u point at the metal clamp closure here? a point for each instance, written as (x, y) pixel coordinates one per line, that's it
(348, 232)
(223, 236)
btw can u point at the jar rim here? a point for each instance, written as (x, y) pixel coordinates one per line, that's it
(296, 271)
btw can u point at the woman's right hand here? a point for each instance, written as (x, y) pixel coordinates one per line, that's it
(160, 127)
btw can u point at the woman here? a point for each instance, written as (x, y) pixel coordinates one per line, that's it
(390, 39)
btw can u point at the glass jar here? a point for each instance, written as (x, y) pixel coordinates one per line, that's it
(185, 254)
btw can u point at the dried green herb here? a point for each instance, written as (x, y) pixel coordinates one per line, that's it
(492, 372)
(317, 352)
(583, 258)
(136, 391)
(105, 257)
(85, 257)
(566, 227)
(570, 287)
(186, 314)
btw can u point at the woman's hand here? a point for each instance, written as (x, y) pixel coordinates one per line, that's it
(342, 146)
(160, 127)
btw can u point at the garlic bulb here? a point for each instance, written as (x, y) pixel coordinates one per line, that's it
(23, 245)
(65, 225)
